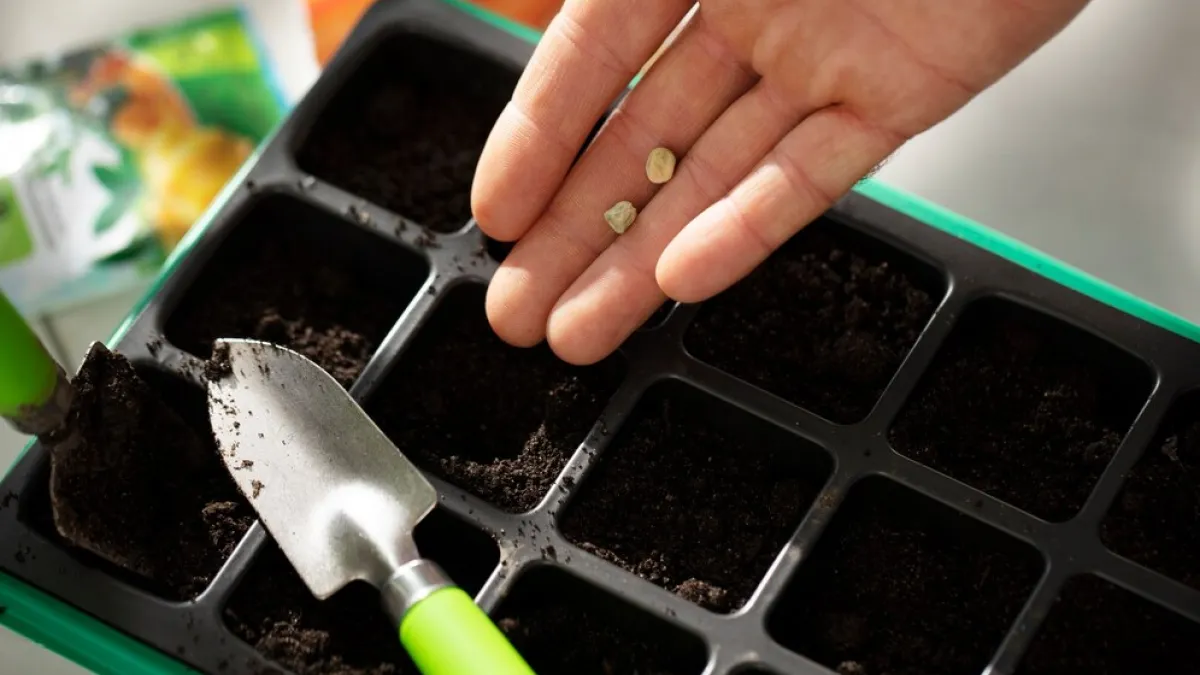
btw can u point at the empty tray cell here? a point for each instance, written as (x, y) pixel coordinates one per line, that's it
(902, 584)
(408, 127)
(298, 276)
(148, 484)
(497, 420)
(1023, 407)
(563, 626)
(825, 322)
(1156, 517)
(1098, 628)
(348, 634)
(696, 496)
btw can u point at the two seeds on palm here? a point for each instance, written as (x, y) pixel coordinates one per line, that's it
(660, 167)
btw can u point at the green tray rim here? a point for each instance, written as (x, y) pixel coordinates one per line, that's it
(96, 646)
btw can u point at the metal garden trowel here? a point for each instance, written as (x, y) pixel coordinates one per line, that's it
(342, 502)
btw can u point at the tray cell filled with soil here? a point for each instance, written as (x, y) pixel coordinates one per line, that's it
(408, 127)
(1024, 407)
(696, 496)
(496, 420)
(1155, 519)
(298, 276)
(147, 485)
(902, 584)
(1098, 628)
(563, 626)
(825, 322)
(349, 633)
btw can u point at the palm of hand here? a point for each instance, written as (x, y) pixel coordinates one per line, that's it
(775, 107)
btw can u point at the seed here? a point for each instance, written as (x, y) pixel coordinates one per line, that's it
(660, 165)
(620, 216)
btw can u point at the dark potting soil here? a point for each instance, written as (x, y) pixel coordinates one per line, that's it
(1098, 628)
(409, 140)
(295, 292)
(1156, 517)
(904, 586)
(1024, 408)
(686, 502)
(563, 627)
(348, 634)
(218, 367)
(497, 420)
(823, 323)
(146, 487)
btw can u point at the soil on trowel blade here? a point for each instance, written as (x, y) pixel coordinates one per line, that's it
(143, 485)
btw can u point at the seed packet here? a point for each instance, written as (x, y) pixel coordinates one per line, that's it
(111, 153)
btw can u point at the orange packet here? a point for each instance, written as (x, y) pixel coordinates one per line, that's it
(332, 20)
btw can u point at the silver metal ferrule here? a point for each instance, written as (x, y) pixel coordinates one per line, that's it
(38, 420)
(411, 584)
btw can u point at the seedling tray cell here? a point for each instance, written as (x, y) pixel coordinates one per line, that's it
(905, 444)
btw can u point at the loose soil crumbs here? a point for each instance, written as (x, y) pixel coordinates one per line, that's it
(896, 592)
(497, 420)
(145, 485)
(697, 509)
(822, 323)
(1100, 629)
(289, 291)
(1156, 518)
(1022, 408)
(348, 634)
(566, 628)
(218, 367)
(410, 143)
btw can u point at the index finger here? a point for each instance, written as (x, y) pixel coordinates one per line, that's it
(591, 51)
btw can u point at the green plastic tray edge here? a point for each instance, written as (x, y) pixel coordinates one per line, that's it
(1026, 256)
(94, 645)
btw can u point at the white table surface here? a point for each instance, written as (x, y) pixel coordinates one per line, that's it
(1089, 151)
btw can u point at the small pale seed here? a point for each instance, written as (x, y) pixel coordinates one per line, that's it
(620, 217)
(660, 165)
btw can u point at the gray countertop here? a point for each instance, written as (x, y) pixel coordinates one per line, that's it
(1089, 151)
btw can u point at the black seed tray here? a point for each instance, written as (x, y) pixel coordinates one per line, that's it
(889, 451)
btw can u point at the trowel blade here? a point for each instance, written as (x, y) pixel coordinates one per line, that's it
(337, 496)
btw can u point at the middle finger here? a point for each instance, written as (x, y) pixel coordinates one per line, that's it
(686, 90)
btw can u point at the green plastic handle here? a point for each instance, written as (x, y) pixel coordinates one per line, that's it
(27, 371)
(448, 634)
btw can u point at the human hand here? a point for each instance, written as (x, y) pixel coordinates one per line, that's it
(775, 109)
